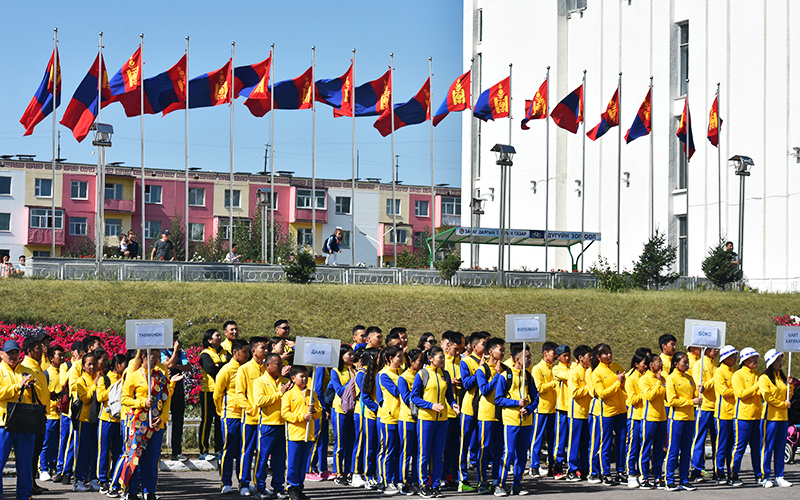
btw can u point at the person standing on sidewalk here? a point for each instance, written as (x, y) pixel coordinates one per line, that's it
(175, 360)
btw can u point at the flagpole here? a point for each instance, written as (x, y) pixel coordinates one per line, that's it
(619, 165)
(583, 168)
(186, 157)
(433, 193)
(508, 174)
(352, 91)
(719, 168)
(652, 202)
(54, 76)
(686, 156)
(547, 170)
(472, 196)
(313, 155)
(272, 157)
(101, 164)
(141, 134)
(394, 172)
(230, 198)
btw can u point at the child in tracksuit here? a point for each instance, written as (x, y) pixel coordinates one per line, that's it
(245, 378)
(748, 414)
(407, 424)
(579, 411)
(470, 438)
(608, 380)
(433, 397)
(704, 416)
(299, 408)
(654, 423)
(561, 376)
(366, 445)
(518, 407)
(268, 391)
(724, 408)
(772, 385)
(109, 432)
(544, 418)
(86, 431)
(49, 456)
(681, 398)
(635, 404)
(388, 418)
(490, 424)
(230, 412)
(342, 422)
(452, 364)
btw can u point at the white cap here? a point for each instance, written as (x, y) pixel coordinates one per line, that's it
(726, 352)
(771, 356)
(747, 352)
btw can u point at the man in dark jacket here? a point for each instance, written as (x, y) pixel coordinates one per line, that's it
(332, 246)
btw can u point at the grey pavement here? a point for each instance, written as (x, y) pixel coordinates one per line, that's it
(205, 484)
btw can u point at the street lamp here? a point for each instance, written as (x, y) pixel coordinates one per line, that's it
(741, 165)
(263, 198)
(102, 139)
(505, 156)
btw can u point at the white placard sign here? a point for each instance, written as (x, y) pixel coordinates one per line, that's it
(311, 351)
(699, 333)
(788, 339)
(526, 327)
(148, 333)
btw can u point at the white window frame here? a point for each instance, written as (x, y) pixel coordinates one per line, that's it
(237, 198)
(75, 225)
(224, 225)
(397, 206)
(148, 230)
(304, 237)
(400, 232)
(79, 190)
(38, 214)
(417, 206)
(117, 188)
(449, 207)
(193, 226)
(305, 195)
(10, 183)
(7, 229)
(345, 239)
(109, 225)
(38, 188)
(150, 190)
(193, 192)
(340, 200)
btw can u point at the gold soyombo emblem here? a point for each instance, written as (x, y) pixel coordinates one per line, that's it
(459, 94)
(221, 88)
(501, 100)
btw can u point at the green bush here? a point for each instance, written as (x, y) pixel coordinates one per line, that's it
(718, 268)
(448, 266)
(609, 279)
(301, 269)
(654, 263)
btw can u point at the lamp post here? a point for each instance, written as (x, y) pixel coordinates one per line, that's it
(505, 155)
(102, 139)
(742, 165)
(263, 198)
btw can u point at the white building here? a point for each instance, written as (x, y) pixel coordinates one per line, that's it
(746, 46)
(13, 224)
(366, 221)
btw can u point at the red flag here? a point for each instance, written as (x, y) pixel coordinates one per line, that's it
(210, 89)
(641, 124)
(42, 103)
(608, 119)
(684, 130)
(458, 98)
(260, 100)
(568, 113)
(82, 109)
(416, 110)
(714, 123)
(536, 108)
(494, 102)
(348, 88)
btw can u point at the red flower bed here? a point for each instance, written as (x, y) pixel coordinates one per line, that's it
(786, 320)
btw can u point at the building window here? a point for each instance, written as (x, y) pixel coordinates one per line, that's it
(225, 226)
(113, 191)
(576, 6)
(684, 55)
(682, 166)
(683, 246)
(304, 198)
(419, 239)
(113, 227)
(44, 188)
(5, 186)
(480, 25)
(77, 226)
(152, 194)
(274, 200)
(79, 190)
(41, 253)
(402, 234)
(197, 197)
(305, 238)
(5, 222)
(389, 205)
(421, 208)
(343, 205)
(152, 229)
(345, 239)
(237, 198)
(451, 206)
(42, 218)
(196, 231)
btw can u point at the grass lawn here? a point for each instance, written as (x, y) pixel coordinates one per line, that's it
(625, 321)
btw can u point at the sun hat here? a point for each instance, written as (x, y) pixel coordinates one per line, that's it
(747, 352)
(726, 352)
(771, 355)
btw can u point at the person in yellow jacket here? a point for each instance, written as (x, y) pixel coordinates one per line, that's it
(342, 422)
(152, 410)
(109, 431)
(635, 404)
(17, 384)
(654, 423)
(49, 457)
(86, 423)
(747, 427)
(452, 364)
(229, 411)
(578, 413)
(471, 364)
(388, 416)
(544, 418)
(212, 358)
(490, 427)
(561, 376)
(704, 415)
(682, 397)
(724, 408)
(33, 349)
(609, 386)
(407, 425)
(268, 390)
(668, 345)
(69, 371)
(299, 408)
(774, 424)
(245, 397)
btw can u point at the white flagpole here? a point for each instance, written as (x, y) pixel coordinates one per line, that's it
(313, 158)
(686, 155)
(352, 91)
(272, 157)
(394, 171)
(508, 174)
(101, 183)
(652, 199)
(547, 172)
(719, 168)
(230, 198)
(141, 134)
(472, 196)
(619, 166)
(54, 77)
(583, 168)
(433, 193)
(186, 157)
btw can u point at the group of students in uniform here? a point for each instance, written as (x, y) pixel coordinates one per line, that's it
(105, 416)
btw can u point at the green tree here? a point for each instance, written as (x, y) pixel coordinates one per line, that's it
(654, 263)
(177, 234)
(301, 268)
(448, 266)
(608, 278)
(718, 268)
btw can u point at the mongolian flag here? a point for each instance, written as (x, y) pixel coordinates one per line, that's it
(494, 102)
(346, 101)
(417, 110)
(210, 89)
(568, 113)
(335, 91)
(685, 129)
(129, 77)
(42, 103)
(536, 108)
(160, 92)
(82, 109)
(714, 123)
(246, 78)
(259, 101)
(641, 124)
(372, 98)
(608, 119)
(458, 98)
(295, 93)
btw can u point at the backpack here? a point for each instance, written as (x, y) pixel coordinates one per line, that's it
(326, 245)
(114, 406)
(329, 396)
(425, 376)
(349, 397)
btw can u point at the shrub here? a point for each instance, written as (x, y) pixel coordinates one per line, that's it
(718, 268)
(301, 269)
(609, 279)
(656, 259)
(448, 266)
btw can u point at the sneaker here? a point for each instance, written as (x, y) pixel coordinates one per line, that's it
(104, 488)
(280, 494)
(519, 492)
(131, 496)
(181, 457)
(426, 492)
(227, 490)
(94, 485)
(673, 487)
(544, 471)
(66, 479)
(341, 481)
(660, 484)
(437, 493)
(500, 492)
(646, 485)
(57, 478)
(357, 481)
(244, 491)
(594, 479)
(633, 482)
(406, 490)
(113, 493)
(534, 472)
(372, 484)
(688, 487)
(696, 475)
(293, 494)
(44, 476)
(484, 489)
(80, 487)
(391, 489)
(767, 483)
(781, 482)
(721, 479)
(559, 475)
(314, 477)
(735, 481)
(325, 475)
(464, 487)
(572, 477)
(301, 495)
(609, 481)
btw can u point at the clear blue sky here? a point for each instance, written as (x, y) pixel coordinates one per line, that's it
(414, 30)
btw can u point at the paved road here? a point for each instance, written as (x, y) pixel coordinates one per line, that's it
(202, 485)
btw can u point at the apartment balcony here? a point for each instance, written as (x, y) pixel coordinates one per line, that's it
(304, 215)
(41, 236)
(451, 220)
(127, 206)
